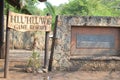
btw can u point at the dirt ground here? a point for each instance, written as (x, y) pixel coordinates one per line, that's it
(77, 75)
(17, 73)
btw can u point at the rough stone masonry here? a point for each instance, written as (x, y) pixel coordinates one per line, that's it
(62, 56)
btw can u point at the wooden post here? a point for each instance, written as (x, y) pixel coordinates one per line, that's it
(1, 28)
(6, 63)
(46, 50)
(52, 47)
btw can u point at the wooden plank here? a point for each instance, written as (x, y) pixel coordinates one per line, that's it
(1, 28)
(23, 22)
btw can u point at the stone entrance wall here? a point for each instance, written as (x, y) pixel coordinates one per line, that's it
(62, 57)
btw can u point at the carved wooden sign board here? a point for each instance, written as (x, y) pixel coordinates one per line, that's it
(23, 22)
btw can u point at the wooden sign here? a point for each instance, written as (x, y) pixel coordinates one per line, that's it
(23, 22)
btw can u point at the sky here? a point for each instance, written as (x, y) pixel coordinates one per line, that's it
(53, 2)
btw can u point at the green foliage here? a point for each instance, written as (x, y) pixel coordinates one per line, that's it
(11, 8)
(113, 5)
(92, 8)
(50, 9)
(74, 7)
(26, 6)
(34, 61)
(30, 6)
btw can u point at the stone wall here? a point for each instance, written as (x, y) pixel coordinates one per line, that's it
(62, 57)
(25, 40)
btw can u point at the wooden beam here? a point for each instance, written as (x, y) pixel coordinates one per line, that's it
(6, 62)
(52, 47)
(1, 28)
(46, 49)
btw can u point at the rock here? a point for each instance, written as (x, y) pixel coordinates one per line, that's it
(29, 70)
(40, 71)
(45, 70)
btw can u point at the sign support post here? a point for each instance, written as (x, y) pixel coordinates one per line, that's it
(1, 29)
(46, 50)
(52, 47)
(6, 65)
(6, 62)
